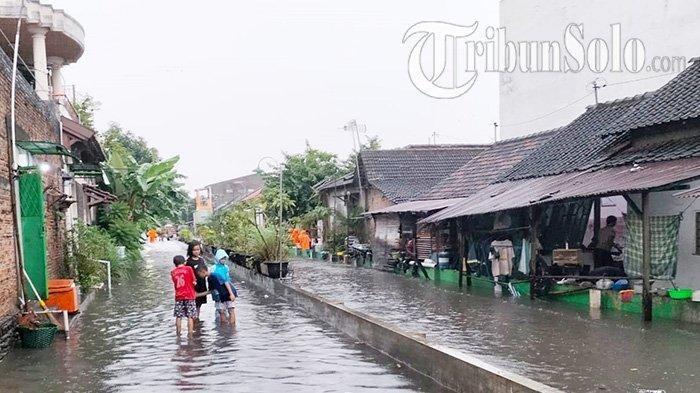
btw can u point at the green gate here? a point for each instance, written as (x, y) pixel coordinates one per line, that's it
(31, 196)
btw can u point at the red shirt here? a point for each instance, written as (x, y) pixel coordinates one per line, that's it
(184, 280)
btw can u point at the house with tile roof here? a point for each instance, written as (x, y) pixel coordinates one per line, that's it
(392, 176)
(493, 162)
(645, 148)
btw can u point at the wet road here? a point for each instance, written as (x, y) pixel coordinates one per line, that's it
(549, 342)
(126, 342)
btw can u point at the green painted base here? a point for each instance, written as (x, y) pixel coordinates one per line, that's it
(662, 307)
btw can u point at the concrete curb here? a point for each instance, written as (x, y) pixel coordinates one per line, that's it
(84, 304)
(448, 367)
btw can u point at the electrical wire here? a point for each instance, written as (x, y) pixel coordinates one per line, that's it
(638, 79)
(548, 114)
(587, 95)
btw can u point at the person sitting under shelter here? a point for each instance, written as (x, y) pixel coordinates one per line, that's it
(605, 243)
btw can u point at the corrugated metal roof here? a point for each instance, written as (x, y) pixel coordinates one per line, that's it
(610, 181)
(329, 183)
(692, 193)
(417, 206)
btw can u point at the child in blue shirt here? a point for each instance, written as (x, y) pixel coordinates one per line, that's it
(222, 292)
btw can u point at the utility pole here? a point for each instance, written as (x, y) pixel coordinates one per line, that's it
(596, 87)
(495, 132)
(434, 135)
(354, 132)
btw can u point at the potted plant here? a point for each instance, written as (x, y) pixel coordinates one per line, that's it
(270, 248)
(32, 332)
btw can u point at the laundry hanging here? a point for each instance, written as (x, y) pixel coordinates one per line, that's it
(524, 264)
(664, 245)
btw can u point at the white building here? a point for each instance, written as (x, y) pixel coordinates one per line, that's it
(534, 101)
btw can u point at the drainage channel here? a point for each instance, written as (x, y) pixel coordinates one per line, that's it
(557, 344)
(448, 368)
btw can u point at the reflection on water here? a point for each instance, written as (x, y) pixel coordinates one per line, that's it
(547, 341)
(126, 342)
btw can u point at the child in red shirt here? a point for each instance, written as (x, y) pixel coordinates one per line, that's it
(185, 306)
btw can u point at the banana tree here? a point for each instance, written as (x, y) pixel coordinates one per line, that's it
(152, 191)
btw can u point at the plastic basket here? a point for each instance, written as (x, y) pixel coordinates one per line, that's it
(42, 337)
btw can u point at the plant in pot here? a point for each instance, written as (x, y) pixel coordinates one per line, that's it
(33, 332)
(269, 250)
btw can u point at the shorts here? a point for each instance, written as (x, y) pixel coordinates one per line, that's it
(185, 309)
(225, 305)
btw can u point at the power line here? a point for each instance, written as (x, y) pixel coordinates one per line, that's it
(548, 114)
(640, 79)
(596, 87)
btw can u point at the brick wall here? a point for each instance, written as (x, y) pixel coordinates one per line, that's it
(38, 120)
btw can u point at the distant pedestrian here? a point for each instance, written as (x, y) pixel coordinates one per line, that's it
(185, 307)
(152, 234)
(194, 260)
(222, 292)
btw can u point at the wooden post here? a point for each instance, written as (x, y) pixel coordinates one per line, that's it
(646, 257)
(596, 220)
(466, 268)
(460, 248)
(534, 226)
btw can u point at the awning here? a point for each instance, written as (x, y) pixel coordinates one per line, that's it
(47, 148)
(96, 196)
(417, 206)
(81, 169)
(604, 182)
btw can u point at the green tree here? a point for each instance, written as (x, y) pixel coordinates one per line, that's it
(299, 173)
(151, 191)
(86, 108)
(118, 139)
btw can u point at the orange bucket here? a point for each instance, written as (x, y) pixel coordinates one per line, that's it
(626, 295)
(63, 295)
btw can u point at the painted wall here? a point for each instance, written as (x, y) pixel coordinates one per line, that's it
(37, 120)
(664, 203)
(666, 27)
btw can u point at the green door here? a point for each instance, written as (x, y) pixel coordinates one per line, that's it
(31, 196)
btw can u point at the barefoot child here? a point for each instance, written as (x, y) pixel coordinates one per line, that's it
(223, 294)
(185, 306)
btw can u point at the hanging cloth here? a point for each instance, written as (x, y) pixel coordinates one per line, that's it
(524, 265)
(502, 259)
(664, 245)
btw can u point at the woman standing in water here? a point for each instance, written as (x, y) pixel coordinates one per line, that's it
(194, 260)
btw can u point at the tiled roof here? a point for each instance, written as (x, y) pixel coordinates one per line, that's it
(401, 174)
(491, 164)
(334, 182)
(653, 151)
(677, 100)
(576, 145)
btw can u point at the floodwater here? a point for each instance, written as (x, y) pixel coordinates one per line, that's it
(553, 343)
(127, 342)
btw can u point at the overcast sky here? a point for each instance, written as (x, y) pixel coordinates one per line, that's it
(224, 83)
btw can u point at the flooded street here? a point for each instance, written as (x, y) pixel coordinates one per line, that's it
(127, 342)
(549, 342)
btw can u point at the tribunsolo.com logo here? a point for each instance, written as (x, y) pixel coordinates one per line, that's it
(444, 62)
